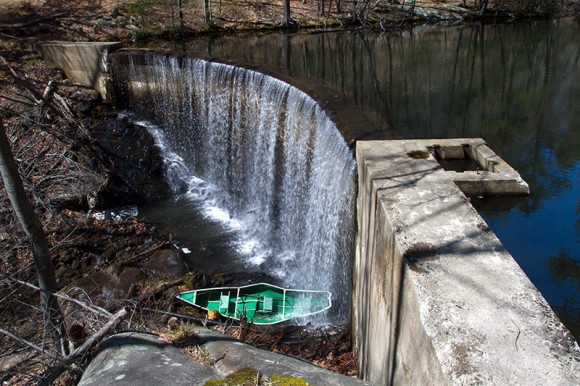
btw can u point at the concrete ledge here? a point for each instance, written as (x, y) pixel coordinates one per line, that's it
(437, 298)
(84, 63)
(474, 167)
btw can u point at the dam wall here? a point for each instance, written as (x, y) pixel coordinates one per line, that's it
(437, 299)
(84, 63)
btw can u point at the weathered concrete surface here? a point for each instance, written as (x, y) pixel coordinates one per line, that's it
(493, 177)
(82, 62)
(438, 299)
(136, 358)
(231, 356)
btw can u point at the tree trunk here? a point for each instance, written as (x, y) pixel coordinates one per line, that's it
(207, 10)
(287, 21)
(33, 229)
(483, 6)
(181, 22)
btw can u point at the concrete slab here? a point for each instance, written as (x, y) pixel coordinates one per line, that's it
(437, 298)
(84, 63)
(490, 175)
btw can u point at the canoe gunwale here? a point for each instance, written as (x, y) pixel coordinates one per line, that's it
(239, 291)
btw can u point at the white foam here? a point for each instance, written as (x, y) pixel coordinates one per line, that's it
(221, 215)
(257, 259)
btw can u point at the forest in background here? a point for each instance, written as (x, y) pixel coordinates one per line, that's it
(106, 20)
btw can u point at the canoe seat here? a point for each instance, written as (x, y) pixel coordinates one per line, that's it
(224, 302)
(307, 304)
(268, 305)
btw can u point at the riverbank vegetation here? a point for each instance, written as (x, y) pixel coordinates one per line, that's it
(107, 20)
(108, 271)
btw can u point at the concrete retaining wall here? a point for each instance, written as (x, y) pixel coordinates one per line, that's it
(84, 63)
(437, 298)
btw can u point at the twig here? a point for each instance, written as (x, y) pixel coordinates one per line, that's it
(159, 289)
(34, 21)
(257, 378)
(282, 334)
(137, 257)
(30, 344)
(50, 375)
(331, 343)
(91, 307)
(200, 320)
(12, 351)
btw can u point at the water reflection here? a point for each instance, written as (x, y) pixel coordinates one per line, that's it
(516, 86)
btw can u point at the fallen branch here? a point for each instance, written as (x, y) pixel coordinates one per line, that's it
(246, 22)
(62, 111)
(9, 26)
(95, 309)
(67, 112)
(52, 374)
(187, 317)
(159, 289)
(140, 255)
(48, 89)
(30, 344)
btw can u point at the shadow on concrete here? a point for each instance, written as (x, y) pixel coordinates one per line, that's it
(439, 297)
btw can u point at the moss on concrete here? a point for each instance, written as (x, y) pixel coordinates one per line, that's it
(286, 380)
(249, 376)
(244, 376)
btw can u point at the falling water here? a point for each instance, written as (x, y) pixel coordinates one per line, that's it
(279, 163)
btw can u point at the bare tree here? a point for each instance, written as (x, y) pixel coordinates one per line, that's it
(482, 5)
(38, 244)
(287, 21)
(207, 10)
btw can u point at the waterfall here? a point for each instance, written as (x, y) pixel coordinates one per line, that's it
(280, 165)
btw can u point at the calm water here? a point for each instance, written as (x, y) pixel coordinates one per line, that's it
(516, 86)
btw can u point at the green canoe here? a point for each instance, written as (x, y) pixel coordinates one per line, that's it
(261, 303)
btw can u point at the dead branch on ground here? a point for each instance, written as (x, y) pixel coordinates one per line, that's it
(89, 307)
(52, 374)
(32, 22)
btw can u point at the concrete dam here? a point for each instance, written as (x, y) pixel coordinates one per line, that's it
(436, 298)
